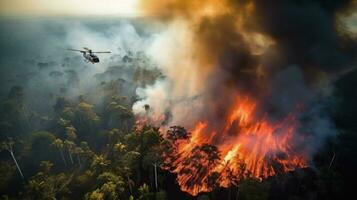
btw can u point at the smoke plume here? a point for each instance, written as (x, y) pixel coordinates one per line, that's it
(266, 60)
(284, 53)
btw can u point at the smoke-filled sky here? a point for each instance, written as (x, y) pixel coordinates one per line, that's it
(34, 56)
(69, 7)
(198, 36)
(283, 55)
(230, 40)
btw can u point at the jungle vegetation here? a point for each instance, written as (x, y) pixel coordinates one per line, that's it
(82, 150)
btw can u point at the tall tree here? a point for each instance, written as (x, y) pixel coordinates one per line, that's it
(44, 185)
(8, 146)
(70, 146)
(58, 143)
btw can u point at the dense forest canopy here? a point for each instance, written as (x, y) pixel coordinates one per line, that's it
(183, 122)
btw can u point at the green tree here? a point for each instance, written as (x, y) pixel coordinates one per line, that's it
(14, 115)
(144, 192)
(78, 151)
(70, 146)
(44, 185)
(71, 133)
(39, 147)
(87, 153)
(85, 112)
(58, 143)
(127, 164)
(7, 171)
(95, 195)
(8, 146)
(100, 164)
(119, 114)
(109, 187)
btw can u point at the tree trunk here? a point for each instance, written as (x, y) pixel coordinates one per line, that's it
(129, 183)
(17, 165)
(64, 160)
(332, 160)
(155, 172)
(70, 157)
(79, 160)
(237, 193)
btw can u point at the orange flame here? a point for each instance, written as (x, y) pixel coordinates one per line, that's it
(247, 146)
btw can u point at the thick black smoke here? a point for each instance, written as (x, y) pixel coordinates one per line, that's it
(309, 33)
(310, 43)
(284, 54)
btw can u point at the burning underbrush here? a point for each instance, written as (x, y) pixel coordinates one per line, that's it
(236, 75)
(244, 145)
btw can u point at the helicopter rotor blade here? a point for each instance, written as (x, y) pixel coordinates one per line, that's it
(101, 52)
(75, 50)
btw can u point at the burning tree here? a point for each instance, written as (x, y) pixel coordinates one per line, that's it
(246, 146)
(196, 172)
(177, 133)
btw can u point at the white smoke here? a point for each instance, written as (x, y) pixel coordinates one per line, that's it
(181, 89)
(35, 48)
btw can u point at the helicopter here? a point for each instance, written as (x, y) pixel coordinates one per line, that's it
(89, 55)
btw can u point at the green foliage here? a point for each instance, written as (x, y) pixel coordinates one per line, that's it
(95, 195)
(14, 117)
(7, 171)
(109, 177)
(44, 185)
(99, 163)
(41, 138)
(39, 148)
(71, 133)
(86, 112)
(58, 143)
(81, 151)
(109, 186)
(88, 152)
(46, 167)
(144, 192)
(253, 189)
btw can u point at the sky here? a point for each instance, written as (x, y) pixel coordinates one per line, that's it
(69, 7)
(124, 8)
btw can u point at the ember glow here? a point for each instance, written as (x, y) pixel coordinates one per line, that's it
(235, 76)
(247, 146)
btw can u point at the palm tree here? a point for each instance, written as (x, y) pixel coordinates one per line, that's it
(70, 148)
(78, 151)
(8, 146)
(58, 143)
